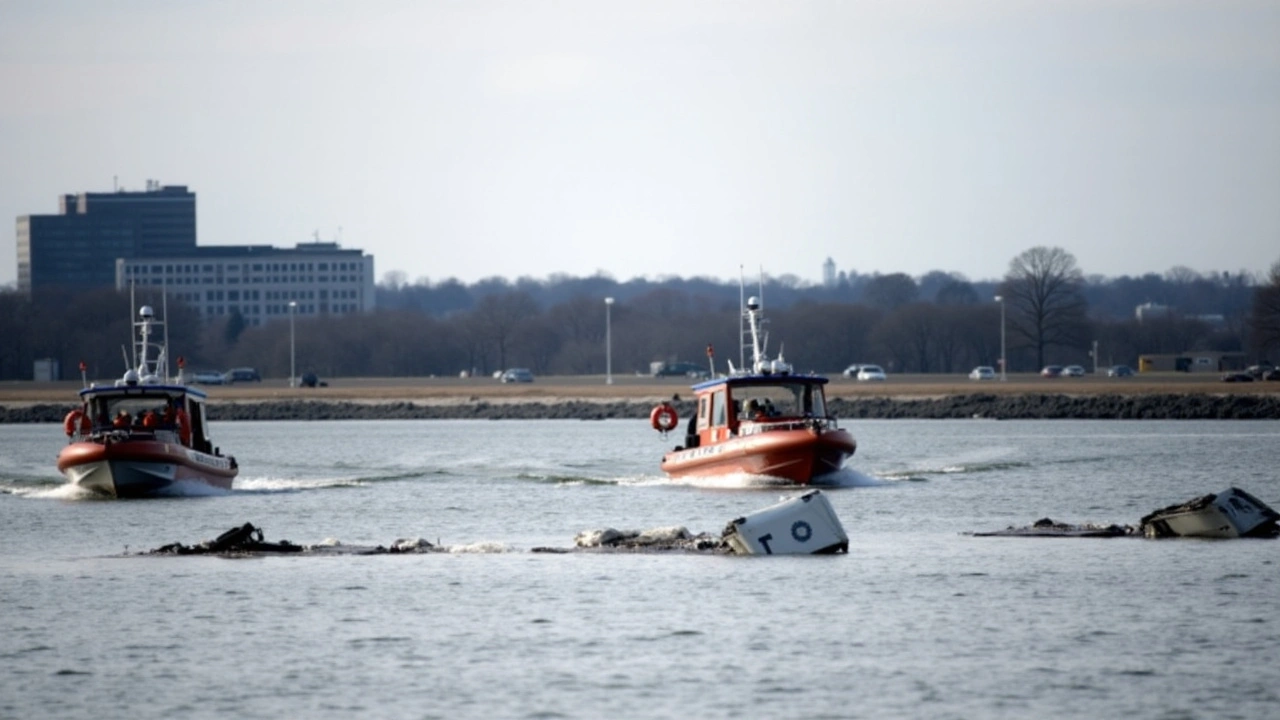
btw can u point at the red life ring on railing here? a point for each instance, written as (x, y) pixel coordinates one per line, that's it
(184, 427)
(75, 421)
(664, 418)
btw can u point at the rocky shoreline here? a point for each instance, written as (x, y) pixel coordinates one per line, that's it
(1171, 406)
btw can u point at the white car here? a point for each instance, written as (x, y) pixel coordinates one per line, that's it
(516, 375)
(208, 377)
(1073, 371)
(870, 373)
(982, 372)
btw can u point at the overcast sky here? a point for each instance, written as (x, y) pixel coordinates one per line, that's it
(471, 139)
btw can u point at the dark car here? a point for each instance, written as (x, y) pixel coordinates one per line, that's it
(245, 374)
(310, 380)
(1272, 374)
(1051, 371)
(1237, 377)
(1259, 371)
(1120, 371)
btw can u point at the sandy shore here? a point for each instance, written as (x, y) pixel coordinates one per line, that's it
(1174, 395)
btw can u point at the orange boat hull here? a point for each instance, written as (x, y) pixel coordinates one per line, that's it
(139, 468)
(798, 455)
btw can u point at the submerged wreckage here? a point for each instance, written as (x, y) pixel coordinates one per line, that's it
(803, 525)
(1232, 513)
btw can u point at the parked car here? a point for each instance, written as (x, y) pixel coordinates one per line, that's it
(870, 373)
(208, 377)
(1237, 377)
(1073, 371)
(517, 375)
(982, 372)
(681, 369)
(1120, 371)
(310, 380)
(1051, 371)
(851, 372)
(242, 374)
(1260, 370)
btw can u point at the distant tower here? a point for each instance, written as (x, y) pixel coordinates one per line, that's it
(829, 273)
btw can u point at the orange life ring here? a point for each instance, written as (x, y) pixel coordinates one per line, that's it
(664, 418)
(184, 427)
(75, 421)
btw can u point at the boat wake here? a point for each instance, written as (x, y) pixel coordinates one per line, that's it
(55, 490)
(977, 462)
(553, 479)
(847, 478)
(268, 485)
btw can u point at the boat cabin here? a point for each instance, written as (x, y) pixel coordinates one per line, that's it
(170, 413)
(743, 405)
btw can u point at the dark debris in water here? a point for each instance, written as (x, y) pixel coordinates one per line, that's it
(1045, 527)
(248, 540)
(677, 539)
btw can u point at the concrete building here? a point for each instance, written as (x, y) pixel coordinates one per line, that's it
(259, 281)
(78, 247)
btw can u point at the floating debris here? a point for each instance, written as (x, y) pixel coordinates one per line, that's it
(248, 540)
(1232, 513)
(804, 525)
(1045, 527)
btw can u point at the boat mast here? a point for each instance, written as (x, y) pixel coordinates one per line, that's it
(744, 331)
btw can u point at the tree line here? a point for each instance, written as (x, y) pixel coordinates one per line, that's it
(938, 323)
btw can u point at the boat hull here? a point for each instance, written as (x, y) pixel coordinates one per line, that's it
(797, 455)
(141, 468)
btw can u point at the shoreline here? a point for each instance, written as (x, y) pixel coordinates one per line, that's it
(1042, 406)
(1024, 396)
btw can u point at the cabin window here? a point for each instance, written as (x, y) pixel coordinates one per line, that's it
(704, 411)
(719, 414)
(815, 401)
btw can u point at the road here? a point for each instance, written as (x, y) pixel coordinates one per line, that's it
(631, 387)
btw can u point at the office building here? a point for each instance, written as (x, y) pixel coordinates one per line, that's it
(78, 247)
(259, 281)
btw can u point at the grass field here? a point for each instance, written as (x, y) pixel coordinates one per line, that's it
(629, 387)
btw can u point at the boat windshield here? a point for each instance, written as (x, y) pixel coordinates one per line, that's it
(131, 411)
(783, 399)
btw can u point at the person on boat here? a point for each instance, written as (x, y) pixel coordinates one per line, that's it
(756, 410)
(122, 419)
(150, 420)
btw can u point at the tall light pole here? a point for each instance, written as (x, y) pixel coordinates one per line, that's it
(293, 375)
(1003, 361)
(608, 341)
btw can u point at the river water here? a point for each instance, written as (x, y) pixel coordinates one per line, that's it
(920, 619)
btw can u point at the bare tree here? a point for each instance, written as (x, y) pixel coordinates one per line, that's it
(1046, 307)
(1266, 314)
(499, 316)
(890, 292)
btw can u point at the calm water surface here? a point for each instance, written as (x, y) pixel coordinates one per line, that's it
(918, 620)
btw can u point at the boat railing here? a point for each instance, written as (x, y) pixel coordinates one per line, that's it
(753, 427)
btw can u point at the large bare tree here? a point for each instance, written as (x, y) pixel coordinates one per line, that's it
(1266, 315)
(1045, 305)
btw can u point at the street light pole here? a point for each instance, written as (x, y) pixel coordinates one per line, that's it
(608, 341)
(1003, 360)
(293, 375)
